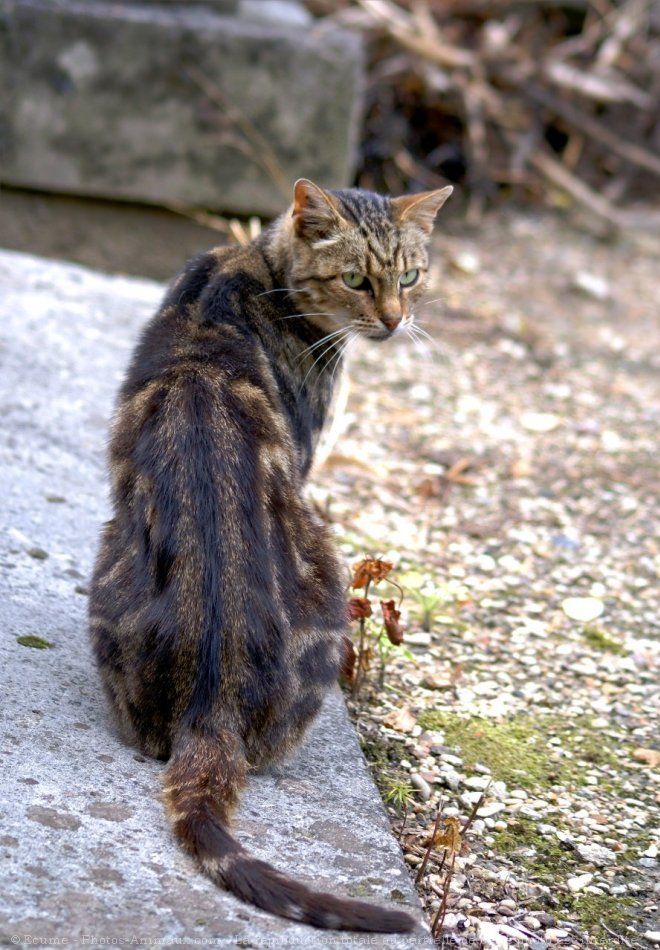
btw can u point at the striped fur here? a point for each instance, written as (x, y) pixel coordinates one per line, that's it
(216, 605)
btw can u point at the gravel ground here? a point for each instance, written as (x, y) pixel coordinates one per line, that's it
(508, 471)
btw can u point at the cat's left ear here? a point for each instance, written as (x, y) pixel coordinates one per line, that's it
(420, 209)
(315, 211)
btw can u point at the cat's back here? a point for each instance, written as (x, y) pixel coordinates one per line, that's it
(211, 321)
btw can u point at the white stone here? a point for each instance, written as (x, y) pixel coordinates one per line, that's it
(539, 421)
(578, 883)
(418, 639)
(584, 609)
(466, 262)
(422, 786)
(490, 809)
(591, 285)
(477, 782)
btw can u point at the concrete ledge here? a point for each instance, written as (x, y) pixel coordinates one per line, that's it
(86, 850)
(174, 103)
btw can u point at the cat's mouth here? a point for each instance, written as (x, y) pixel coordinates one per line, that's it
(382, 332)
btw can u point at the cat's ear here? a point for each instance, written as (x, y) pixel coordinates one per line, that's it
(315, 211)
(420, 209)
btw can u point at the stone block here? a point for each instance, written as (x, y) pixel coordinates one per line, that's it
(174, 104)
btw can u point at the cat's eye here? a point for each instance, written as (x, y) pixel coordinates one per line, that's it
(408, 278)
(355, 280)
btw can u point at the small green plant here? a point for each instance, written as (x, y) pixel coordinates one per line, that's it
(396, 790)
(432, 598)
(598, 640)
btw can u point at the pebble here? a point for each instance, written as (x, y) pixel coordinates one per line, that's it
(490, 809)
(449, 777)
(467, 262)
(653, 936)
(539, 421)
(591, 285)
(584, 609)
(596, 854)
(555, 933)
(618, 889)
(579, 882)
(648, 862)
(437, 681)
(505, 911)
(421, 785)
(470, 799)
(531, 923)
(509, 904)
(477, 781)
(418, 639)
(538, 945)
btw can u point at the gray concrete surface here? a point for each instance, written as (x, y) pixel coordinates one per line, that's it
(175, 103)
(86, 856)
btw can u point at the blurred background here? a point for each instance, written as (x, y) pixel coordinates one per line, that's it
(132, 134)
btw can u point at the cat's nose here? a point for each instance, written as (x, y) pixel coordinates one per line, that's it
(391, 320)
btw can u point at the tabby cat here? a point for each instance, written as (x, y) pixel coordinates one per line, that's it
(217, 606)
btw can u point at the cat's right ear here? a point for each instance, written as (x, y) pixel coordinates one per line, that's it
(315, 211)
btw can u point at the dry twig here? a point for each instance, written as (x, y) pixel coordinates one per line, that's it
(535, 95)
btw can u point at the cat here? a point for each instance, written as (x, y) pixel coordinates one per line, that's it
(217, 602)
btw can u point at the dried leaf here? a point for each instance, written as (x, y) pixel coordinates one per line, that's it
(369, 569)
(359, 608)
(391, 617)
(449, 839)
(401, 719)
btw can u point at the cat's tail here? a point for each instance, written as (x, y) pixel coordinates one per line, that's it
(204, 775)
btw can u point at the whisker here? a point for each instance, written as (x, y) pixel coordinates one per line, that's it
(417, 340)
(330, 346)
(336, 360)
(343, 349)
(427, 303)
(444, 352)
(423, 332)
(328, 336)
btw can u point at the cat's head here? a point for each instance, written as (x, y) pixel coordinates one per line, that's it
(359, 259)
